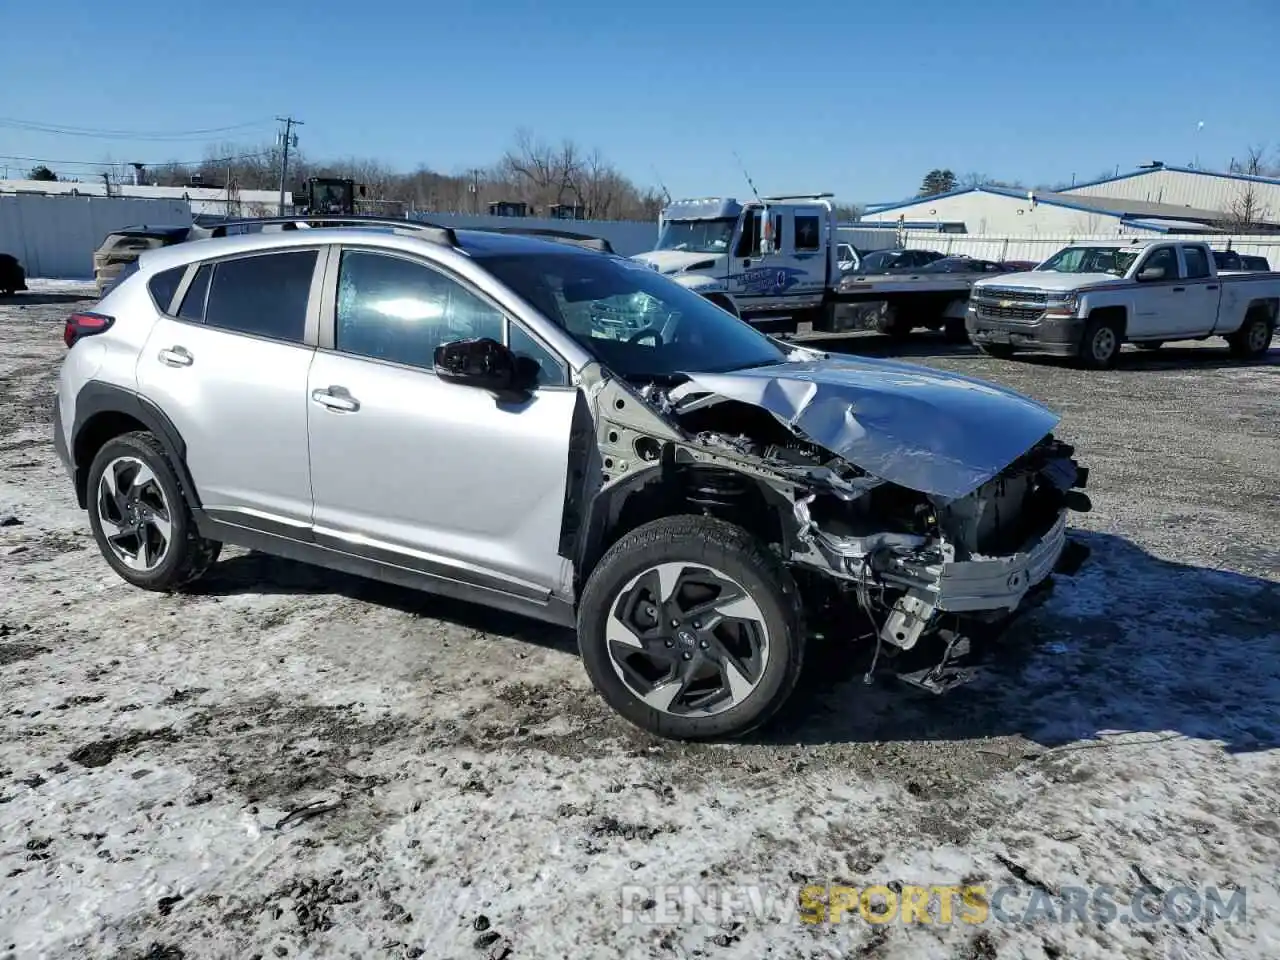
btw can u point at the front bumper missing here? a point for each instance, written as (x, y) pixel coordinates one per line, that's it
(958, 663)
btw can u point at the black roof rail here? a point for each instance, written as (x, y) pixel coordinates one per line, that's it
(586, 241)
(802, 196)
(429, 231)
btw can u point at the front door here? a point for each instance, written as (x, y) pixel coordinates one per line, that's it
(789, 275)
(446, 479)
(1161, 304)
(230, 371)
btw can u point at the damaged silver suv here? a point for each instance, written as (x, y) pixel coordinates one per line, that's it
(554, 430)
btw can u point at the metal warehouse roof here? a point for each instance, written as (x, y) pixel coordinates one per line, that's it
(1200, 189)
(1115, 206)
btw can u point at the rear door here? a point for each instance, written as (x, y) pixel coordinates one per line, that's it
(1199, 311)
(445, 479)
(229, 367)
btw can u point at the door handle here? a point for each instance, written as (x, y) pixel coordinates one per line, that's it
(1179, 289)
(175, 357)
(1212, 286)
(336, 398)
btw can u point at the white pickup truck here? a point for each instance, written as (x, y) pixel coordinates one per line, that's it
(1089, 298)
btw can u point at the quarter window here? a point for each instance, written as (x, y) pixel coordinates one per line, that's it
(262, 295)
(164, 285)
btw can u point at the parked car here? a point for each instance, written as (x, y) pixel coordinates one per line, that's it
(13, 279)
(122, 247)
(1228, 261)
(547, 429)
(1018, 266)
(887, 261)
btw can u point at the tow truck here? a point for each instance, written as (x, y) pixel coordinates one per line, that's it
(776, 262)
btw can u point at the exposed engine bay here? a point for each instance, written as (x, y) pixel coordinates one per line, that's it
(875, 559)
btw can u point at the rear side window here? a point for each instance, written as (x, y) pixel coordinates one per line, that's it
(193, 300)
(164, 285)
(808, 233)
(1197, 262)
(265, 296)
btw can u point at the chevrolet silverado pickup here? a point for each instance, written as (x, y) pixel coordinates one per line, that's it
(1089, 298)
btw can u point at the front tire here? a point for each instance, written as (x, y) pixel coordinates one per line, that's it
(953, 331)
(1100, 346)
(140, 517)
(691, 629)
(1253, 339)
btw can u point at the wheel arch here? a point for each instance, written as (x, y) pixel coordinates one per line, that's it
(1116, 313)
(105, 411)
(662, 491)
(1267, 305)
(724, 302)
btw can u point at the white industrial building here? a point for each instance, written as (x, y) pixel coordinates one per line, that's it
(1227, 193)
(205, 201)
(1009, 212)
(1153, 199)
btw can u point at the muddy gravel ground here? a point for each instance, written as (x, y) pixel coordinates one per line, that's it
(292, 763)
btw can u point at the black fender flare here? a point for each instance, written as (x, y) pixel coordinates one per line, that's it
(97, 399)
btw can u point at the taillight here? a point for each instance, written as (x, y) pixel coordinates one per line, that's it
(80, 325)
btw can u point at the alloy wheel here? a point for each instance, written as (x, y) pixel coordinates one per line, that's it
(687, 639)
(135, 516)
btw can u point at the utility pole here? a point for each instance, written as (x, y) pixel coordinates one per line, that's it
(287, 139)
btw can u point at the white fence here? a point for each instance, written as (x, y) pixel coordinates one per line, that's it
(55, 236)
(1040, 248)
(627, 237)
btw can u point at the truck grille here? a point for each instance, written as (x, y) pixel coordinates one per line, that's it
(1008, 293)
(994, 311)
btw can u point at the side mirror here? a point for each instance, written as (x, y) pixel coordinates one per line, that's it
(479, 362)
(1151, 273)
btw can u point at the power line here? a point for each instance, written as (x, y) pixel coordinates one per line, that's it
(115, 163)
(107, 134)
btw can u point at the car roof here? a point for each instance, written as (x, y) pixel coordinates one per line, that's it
(476, 244)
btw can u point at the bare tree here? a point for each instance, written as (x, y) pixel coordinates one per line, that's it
(1246, 209)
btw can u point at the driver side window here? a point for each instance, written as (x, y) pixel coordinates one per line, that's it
(399, 310)
(1163, 259)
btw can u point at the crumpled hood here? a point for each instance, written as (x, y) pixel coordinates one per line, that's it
(937, 432)
(1048, 280)
(669, 261)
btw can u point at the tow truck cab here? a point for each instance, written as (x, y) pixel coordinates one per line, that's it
(771, 257)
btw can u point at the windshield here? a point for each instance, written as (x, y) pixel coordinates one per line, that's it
(639, 323)
(696, 236)
(1113, 260)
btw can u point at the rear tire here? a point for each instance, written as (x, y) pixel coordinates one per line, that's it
(1253, 339)
(954, 331)
(652, 649)
(888, 323)
(1100, 345)
(140, 517)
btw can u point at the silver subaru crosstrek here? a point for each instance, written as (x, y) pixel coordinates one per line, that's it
(554, 430)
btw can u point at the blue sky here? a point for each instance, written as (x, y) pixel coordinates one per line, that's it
(858, 98)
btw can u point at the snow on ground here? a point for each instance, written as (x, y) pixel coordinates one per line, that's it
(288, 762)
